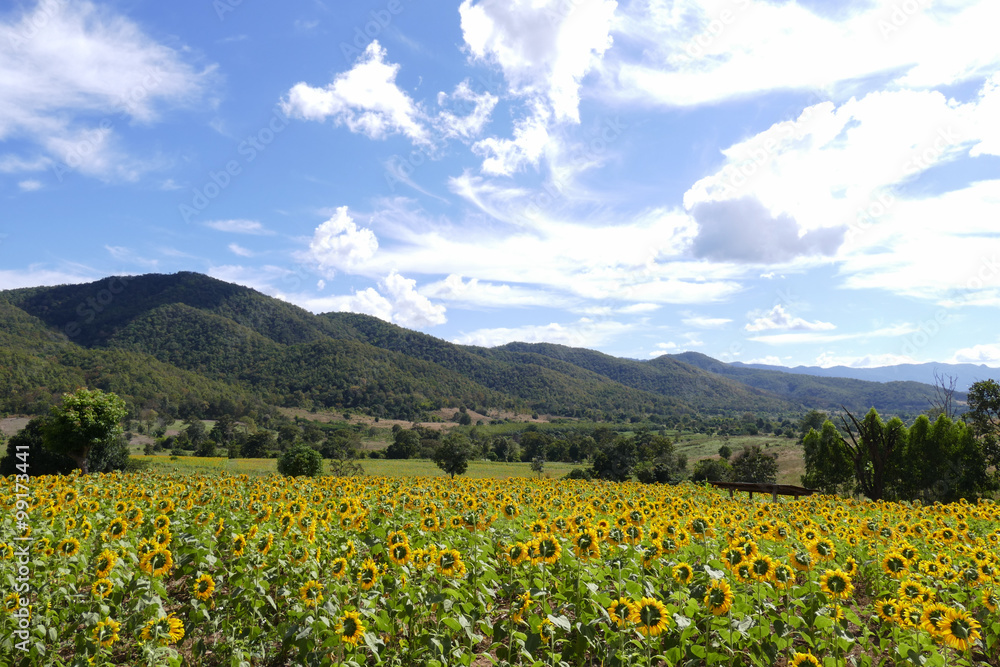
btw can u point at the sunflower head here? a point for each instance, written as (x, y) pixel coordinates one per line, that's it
(650, 616)
(350, 628)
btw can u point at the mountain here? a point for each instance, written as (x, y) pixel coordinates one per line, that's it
(190, 341)
(904, 398)
(964, 374)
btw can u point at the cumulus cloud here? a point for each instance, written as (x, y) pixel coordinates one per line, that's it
(475, 291)
(365, 98)
(72, 71)
(544, 48)
(409, 307)
(452, 123)
(340, 245)
(503, 157)
(988, 354)
(585, 332)
(778, 318)
(743, 230)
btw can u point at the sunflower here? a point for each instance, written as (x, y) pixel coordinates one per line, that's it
(239, 545)
(449, 563)
(762, 567)
(850, 566)
(932, 618)
(515, 553)
(265, 543)
(102, 588)
(719, 597)
(895, 565)
(519, 605)
(350, 628)
(11, 603)
(399, 553)
(836, 584)
(682, 573)
(368, 574)
(204, 587)
(104, 562)
(650, 616)
(546, 549)
(117, 528)
(622, 611)
(990, 599)
(163, 630)
(338, 567)
(586, 544)
(312, 593)
(959, 629)
(397, 537)
(106, 632)
(784, 576)
(157, 562)
(804, 660)
(161, 522)
(68, 547)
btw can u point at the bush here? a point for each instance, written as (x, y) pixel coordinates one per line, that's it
(580, 473)
(300, 461)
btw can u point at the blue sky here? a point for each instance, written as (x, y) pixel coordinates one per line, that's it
(786, 182)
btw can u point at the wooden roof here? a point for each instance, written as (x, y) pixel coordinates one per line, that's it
(753, 487)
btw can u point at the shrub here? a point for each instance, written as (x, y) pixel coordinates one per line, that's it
(300, 460)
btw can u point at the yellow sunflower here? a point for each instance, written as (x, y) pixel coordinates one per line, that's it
(312, 593)
(157, 562)
(682, 573)
(368, 574)
(350, 628)
(204, 587)
(804, 660)
(338, 567)
(836, 584)
(163, 630)
(719, 597)
(102, 588)
(650, 616)
(959, 629)
(106, 632)
(399, 553)
(104, 562)
(622, 611)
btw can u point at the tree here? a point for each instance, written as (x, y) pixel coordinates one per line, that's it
(615, 460)
(813, 420)
(711, 470)
(538, 465)
(754, 465)
(405, 445)
(85, 421)
(872, 450)
(300, 460)
(452, 455)
(944, 396)
(984, 418)
(828, 467)
(196, 432)
(224, 430)
(30, 445)
(725, 451)
(258, 444)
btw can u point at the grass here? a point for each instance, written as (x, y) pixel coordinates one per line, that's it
(374, 467)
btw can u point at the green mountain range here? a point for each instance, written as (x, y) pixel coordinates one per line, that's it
(201, 346)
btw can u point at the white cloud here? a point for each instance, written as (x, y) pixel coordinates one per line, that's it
(778, 318)
(585, 332)
(129, 256)
(365, 98)
(828, 359)
(668, 347)
(239, 227)
(769, 360)
(703, 322)
(13, 164)
(37, 276)
(544, 48)
(818, 337)
(988, 354)
(695, 52)
(479, 293)
(340, 245)
(29, 185)
(409, 307)
(465, 127)
(503, 157)
(237, 249)
(73, 71)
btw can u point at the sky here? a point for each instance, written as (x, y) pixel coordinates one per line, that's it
(794, 183)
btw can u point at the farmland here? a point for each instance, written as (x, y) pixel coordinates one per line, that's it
(219, 566)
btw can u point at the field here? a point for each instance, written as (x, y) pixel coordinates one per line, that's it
(222, 567)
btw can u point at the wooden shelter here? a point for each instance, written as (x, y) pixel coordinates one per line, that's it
(774, 489)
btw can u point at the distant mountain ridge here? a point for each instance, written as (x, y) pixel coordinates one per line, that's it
(189, 339)
(965, 374)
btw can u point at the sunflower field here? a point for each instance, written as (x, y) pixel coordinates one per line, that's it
(222, 569)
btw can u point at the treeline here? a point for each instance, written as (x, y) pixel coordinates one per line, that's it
(931, 461)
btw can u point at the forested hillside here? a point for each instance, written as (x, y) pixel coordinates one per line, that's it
(190, 343)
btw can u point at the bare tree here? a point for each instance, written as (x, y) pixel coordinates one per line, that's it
(944, 390)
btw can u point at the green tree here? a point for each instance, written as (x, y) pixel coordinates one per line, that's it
(984, 418)
(812, 420)
(86, 421)
(725, 451)
(405, 445)
(754, 465)
(453, 454)
(196, 432)
(711, 470)
(300, 460)
(26, 449)
(828, 468)
(615, 460)
(873, 451)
